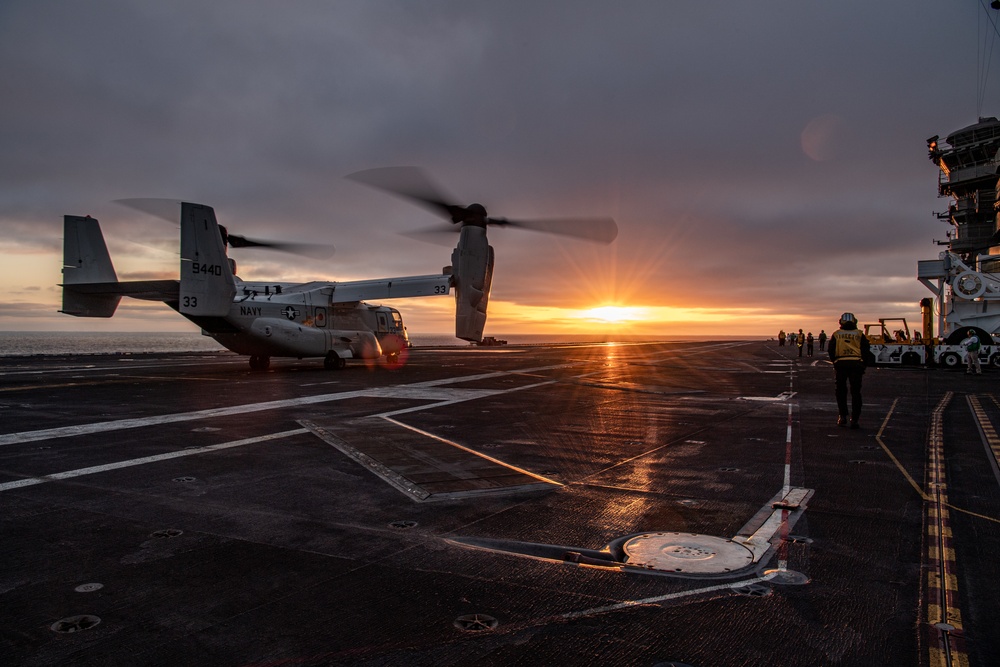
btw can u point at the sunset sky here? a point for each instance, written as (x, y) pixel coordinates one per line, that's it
(766, 162)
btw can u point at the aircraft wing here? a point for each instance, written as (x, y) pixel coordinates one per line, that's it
(390, 288)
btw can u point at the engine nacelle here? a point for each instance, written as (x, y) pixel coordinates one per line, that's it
(472, 273)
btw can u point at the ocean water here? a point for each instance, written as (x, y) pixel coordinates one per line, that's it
(29, 343)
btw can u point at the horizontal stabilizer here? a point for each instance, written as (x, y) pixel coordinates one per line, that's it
(147, 290)
(101, 299)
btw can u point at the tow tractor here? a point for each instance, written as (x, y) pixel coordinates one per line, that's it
(490, 341)
(893, 344)
(898, 348)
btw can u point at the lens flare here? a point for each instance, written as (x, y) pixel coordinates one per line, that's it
(614, 314)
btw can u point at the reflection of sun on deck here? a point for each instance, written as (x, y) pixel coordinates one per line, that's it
(422, 465)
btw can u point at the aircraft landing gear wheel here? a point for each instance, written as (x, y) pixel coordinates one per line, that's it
(950, 360)
(333, 361)
(259, 362)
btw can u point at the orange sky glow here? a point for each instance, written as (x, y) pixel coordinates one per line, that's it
(588, 306)
(764, 172)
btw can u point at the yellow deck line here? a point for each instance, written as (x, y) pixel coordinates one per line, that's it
(941, 583)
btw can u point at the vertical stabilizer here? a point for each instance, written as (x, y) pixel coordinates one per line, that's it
(87, 266)
(207, 284)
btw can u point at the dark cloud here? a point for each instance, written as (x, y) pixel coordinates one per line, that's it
(770, 154)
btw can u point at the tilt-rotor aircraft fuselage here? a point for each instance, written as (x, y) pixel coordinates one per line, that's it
(274, 319)
(315, 319)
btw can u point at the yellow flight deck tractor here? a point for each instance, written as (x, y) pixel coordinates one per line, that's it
(893, 344)
(896, 347)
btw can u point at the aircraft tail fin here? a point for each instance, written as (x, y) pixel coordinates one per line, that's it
(87, 265)
(207, 283)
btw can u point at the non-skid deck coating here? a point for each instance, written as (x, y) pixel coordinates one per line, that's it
(480, 506)
(424, 466)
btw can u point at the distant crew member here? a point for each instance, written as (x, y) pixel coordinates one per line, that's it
(849, 351)
(781, 338)
(800, 340)
(822, 340)
(971, 346)
(809, 344)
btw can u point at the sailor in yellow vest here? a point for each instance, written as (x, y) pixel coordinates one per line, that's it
(849, 351)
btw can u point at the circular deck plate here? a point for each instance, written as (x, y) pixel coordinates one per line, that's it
(75, 624)
(686, 552)
(88, 588)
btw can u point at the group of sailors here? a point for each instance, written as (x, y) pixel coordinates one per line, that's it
(802, 340)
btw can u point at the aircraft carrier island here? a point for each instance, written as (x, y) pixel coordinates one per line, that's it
(685, 503)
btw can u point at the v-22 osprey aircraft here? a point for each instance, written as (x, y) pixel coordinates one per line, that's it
(327, 319)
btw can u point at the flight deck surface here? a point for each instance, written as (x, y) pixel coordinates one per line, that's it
(635, 504)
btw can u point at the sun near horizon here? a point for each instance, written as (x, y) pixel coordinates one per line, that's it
(434, 317)
(612, 314)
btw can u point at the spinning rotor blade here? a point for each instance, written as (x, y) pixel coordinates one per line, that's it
(313, 250)
(164, 209)
(410, 183)
(599, 230)
(442, 234)
(169, 210)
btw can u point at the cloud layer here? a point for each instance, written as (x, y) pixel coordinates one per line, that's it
(755, 155)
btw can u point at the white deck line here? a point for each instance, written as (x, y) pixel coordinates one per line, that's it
(80, 472)
(434, 390)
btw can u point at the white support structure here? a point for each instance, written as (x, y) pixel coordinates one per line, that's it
(972, 297)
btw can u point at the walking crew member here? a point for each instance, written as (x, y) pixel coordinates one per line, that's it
(849, 350)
